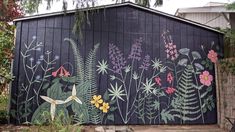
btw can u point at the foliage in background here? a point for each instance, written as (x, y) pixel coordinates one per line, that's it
(3, 109)
(6, 53)
(228, 66)
(58, 124)
(9, 10)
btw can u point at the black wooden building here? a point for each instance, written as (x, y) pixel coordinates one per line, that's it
(132, 65)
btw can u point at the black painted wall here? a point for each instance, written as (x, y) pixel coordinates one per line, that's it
(120, 26)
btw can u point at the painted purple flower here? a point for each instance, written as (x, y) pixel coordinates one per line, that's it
(117, 59)
(136, 50)
(146, 63)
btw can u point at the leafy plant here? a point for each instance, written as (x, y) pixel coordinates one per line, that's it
(187, 100)
(6, 53)
(87, 74)
(56, 125)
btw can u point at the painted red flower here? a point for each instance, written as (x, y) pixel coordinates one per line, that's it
(170, 90)
(206, 78)
(212, 55)
(158, 81)
(61, 72)
(169, 77)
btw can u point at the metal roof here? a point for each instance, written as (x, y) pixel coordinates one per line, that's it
(119, 5)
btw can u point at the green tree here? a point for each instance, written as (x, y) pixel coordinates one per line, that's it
(6, 53)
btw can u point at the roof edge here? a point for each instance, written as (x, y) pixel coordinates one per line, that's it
(118, 5)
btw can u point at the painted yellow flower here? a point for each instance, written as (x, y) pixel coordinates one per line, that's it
(97, 100)
(105, 107)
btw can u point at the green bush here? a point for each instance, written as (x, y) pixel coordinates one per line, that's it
(3, 109)
(6, 53)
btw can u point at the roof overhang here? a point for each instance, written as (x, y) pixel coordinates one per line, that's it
(119, 5)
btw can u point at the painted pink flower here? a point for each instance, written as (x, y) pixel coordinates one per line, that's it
(170, 90)
(170, 47)
(212, 55)
(169, 77)
(206, 78)
(61, 72)
(158, 81)
(54, 73)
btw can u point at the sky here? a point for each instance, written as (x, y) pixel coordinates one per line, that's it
(169, 6)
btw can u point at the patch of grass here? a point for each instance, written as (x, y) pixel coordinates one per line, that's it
(3, 109)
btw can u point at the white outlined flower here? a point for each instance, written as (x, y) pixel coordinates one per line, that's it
(102, 67)
(73, 96)
(53, 105)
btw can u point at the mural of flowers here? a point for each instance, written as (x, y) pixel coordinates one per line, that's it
(53, 105)
(97, 100)
(206, 78)
(61, 72)
(212, 55)
(105, 107)
(152, 90)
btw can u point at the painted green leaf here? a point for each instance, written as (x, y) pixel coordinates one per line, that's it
(37, 114)
(55, 80)
(166, 116)
(13, 113)
(112, 102)
(184, 51)
(45, 86)
(199, 66)
(13, 101)
(110, 117)
(196, 55)
(203, 62)
(69, 79)
(106, 96)
(156, 105)
(55, 90)
(183, 62)
(113, 109)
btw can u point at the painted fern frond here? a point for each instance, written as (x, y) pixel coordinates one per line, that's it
(149, 109)
(188, 108)
(90, 76)
(79, 63)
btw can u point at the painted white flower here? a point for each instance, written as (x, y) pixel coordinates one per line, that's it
(102, 67)
(163, 69)
(116, 92)
(112, 77)
(157, 64)
(73, 96)
(148, 86)
(127, 68)
(135, 76)
(53, 105)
